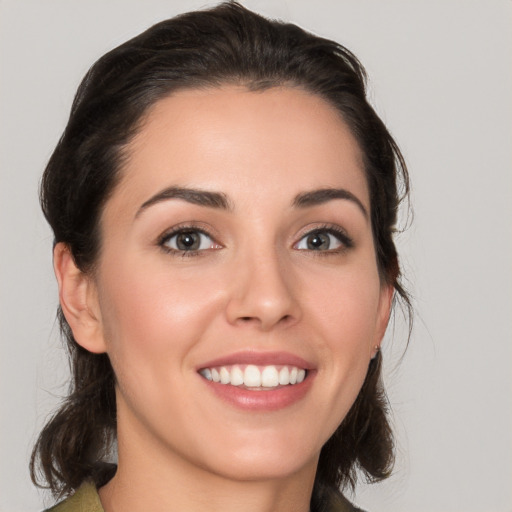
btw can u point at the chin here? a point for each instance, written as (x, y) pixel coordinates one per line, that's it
(264, 468)
(265, 457)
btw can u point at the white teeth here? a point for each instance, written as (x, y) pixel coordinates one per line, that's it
(284, 376)
(255, 377)
(206, 373)
(224, 376)
(252, 376)
(269, 377)
(237, 376)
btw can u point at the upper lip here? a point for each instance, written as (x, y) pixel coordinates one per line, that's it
(259, 359)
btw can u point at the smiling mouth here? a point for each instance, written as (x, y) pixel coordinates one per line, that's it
(257, 378)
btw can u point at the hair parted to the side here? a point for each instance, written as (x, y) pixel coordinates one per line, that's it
(227, 44)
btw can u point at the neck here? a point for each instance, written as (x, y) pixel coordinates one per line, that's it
(176, 494)
(150, 477)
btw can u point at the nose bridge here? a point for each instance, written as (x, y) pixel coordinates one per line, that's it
(262, 290)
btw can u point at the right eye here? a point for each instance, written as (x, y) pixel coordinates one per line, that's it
(188, 241)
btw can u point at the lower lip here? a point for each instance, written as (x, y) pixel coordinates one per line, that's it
(261, 400)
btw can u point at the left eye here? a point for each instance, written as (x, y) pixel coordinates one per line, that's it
(319, 241)
(189, 240)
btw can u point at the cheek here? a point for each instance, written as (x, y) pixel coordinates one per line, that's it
(347, 307)
(346, 312)
(153, 321)
(154, 311)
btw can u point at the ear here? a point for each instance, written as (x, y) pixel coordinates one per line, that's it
(385, 303)
(79, 301)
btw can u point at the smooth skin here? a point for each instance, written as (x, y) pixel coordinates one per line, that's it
(263, 274)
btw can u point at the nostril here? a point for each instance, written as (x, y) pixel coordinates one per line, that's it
(248, 319)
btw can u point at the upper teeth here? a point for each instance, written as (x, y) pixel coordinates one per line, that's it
(253, 376)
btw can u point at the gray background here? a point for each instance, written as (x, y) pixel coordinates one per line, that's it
(441, 78)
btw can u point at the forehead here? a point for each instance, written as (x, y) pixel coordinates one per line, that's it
(284, 139)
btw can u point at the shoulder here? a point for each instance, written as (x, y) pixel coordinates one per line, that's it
(85, 499)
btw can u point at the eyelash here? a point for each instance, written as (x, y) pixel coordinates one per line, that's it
(340, 234)
(167, 236)
(336, 231)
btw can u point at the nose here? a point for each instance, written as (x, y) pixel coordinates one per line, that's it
(263, 293)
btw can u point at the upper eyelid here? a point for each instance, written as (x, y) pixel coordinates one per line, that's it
(331, 228)
(180, 228)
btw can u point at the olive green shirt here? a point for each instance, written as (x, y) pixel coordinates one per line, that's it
(86, 499)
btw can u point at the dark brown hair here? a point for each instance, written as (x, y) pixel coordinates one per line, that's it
(224, 45)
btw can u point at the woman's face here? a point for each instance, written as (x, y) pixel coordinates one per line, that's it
(238, 246)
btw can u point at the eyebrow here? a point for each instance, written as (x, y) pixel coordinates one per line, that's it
(221, 201)
(321, 196)
(191, 195)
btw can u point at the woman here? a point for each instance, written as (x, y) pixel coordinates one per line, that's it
(223, 201)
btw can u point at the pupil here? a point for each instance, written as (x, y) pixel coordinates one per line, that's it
(188, 241)
(318, 241)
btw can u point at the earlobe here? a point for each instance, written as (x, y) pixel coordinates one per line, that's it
(78, 300)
